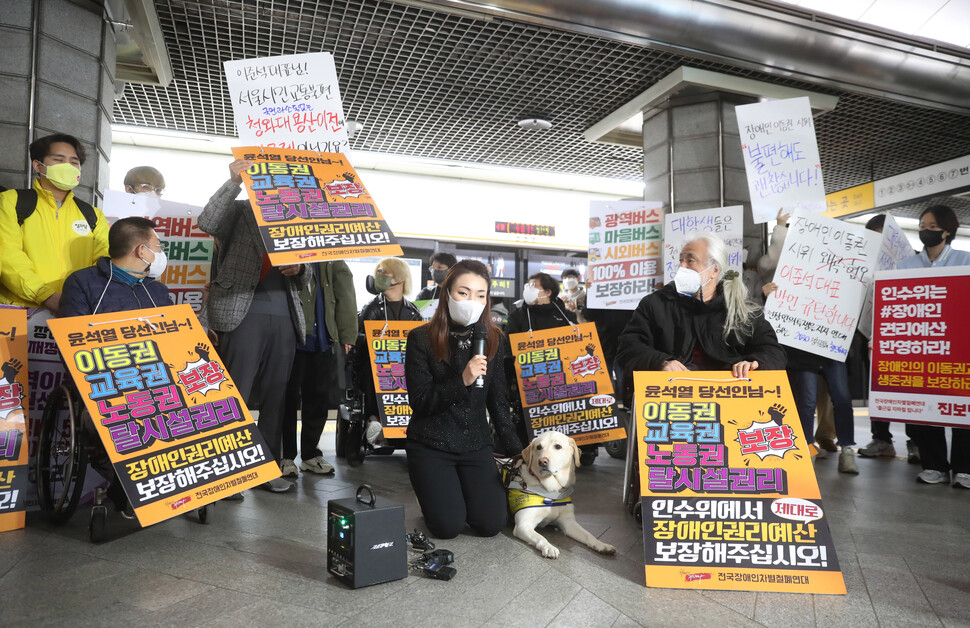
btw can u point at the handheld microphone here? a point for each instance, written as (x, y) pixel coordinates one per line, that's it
(478, 348)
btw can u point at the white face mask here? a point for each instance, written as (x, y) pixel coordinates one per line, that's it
(570, 283)
(530, 294)
(688, 281)
(465, 313)
(157, 266)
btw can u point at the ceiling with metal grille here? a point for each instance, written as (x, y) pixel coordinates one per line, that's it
(431, 84)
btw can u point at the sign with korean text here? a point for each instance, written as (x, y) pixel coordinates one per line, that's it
(564, 384)
(726, 223)
(850, 201)
(625, 246)
(781, 157)
(728, 491)
(312, 207)
(824, 271)
(894, 248)
(387, 348)
(14, 460)
(188, 249)
(178, 434)
(291, 101)
(921, 347)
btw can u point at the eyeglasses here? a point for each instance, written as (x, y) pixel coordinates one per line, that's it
(147, 187)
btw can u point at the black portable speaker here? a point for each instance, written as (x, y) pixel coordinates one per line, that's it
(366, 540)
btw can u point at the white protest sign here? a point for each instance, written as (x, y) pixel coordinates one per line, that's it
(189, 250)
(825, 270)
(895, 247)
(292, 101)
(625, 241)
(781, 157)
(726, 223)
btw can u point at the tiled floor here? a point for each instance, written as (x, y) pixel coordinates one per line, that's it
(903, 547)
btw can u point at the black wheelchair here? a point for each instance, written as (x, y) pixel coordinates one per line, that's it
(350, 441)
(67, 443)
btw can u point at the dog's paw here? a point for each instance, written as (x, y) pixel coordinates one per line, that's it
(605, 548)
(549, 550)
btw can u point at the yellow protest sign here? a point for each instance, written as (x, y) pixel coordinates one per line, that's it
(313, 207)
(387, 349)
(13, 418)
(564, 384)
(727, 486)
(178, 434)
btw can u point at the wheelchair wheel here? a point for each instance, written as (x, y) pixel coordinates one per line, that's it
(61, 457)
(96, 525)
(354, 445)
(617, 448)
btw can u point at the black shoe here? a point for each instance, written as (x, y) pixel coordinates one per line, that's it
(912, 453)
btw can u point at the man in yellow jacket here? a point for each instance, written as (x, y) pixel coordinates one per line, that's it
(43, 241)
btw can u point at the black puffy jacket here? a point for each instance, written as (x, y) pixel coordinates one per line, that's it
(86, 287)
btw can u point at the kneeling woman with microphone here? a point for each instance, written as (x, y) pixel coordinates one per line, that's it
(454, 372)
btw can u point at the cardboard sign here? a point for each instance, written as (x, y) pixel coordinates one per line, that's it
(14, 461)
(564, 384)
(291, 101)
(894, 248)
(725, 222)
(189, 250)
(625, 239)
(387, 347)
(728, 491)
(781, 157)
(312, 207)
(921, 347)
(178, 434)
(823, 274)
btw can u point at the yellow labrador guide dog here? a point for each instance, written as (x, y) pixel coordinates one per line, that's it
(540, 489)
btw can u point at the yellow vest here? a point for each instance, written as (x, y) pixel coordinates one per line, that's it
(36, 257)
(519, 499)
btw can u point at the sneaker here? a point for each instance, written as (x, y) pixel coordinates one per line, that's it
(912, 453)
(878, 449)
(317, 465)
(847, 462)
(288, 468)
(828, 444)
(276, 485)
(961, 480)
(932, 476)
(373, 432)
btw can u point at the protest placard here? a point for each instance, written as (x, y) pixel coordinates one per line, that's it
(188, 249)
(387, 349)
(312, 207)
(823, 274)
(625, 239)
(564, 385)
(921, 347)
(781, 157)
(13, 418)
(728, 491)
(290, 101)
(893, 248)
(177, 432)
(726, 223)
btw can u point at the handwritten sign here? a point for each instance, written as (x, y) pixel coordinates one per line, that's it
(312, 207)
(725, 222)
(729, 495)
(564, 384)
(781, 157)
(177, 432)
(13, 418)
(894, 248)
(292, 101)
(189, 250)
(625, 239)
(921, 347)
(823, 274)
(387, 343)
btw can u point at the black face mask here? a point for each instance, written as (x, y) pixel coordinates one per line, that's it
(930, 237)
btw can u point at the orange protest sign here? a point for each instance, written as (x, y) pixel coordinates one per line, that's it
(178, 434)
(13, 418)
(387, 347)
(564, 384)
(727, 487)
(312, 207)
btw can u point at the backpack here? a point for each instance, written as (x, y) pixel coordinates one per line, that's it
(27, 204)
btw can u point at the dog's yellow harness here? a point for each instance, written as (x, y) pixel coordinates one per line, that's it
(519, 499)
